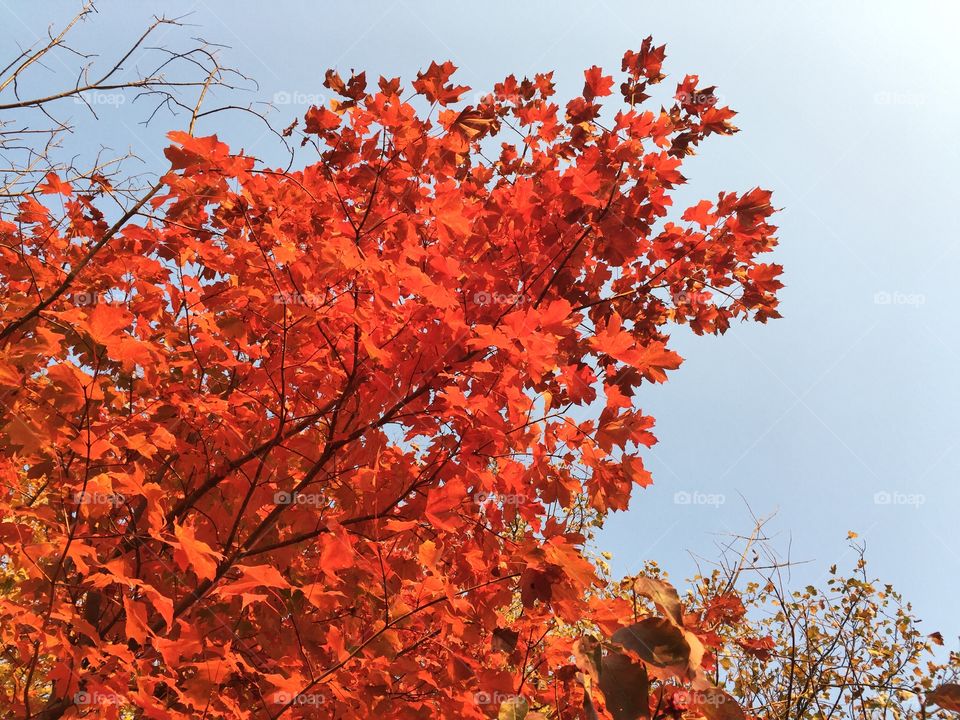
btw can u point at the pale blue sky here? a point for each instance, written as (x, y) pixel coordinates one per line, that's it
(850, 112)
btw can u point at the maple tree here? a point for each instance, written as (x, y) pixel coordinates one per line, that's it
(300, 441)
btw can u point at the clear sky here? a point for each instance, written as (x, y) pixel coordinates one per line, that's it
(841, 416)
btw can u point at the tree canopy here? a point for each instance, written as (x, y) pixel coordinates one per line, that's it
(301, 441)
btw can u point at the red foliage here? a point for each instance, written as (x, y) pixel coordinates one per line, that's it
(299, 441)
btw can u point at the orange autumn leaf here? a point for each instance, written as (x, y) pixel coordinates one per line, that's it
(193, 554)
